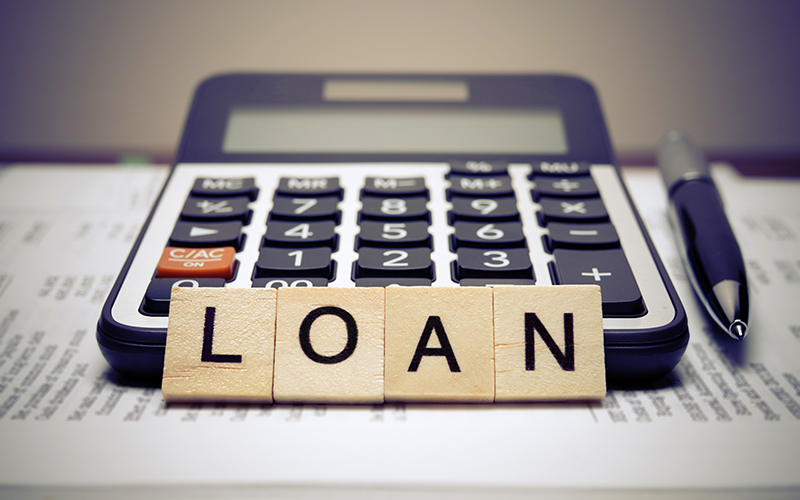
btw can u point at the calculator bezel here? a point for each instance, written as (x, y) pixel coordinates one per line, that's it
(656, 351)
(215, 98)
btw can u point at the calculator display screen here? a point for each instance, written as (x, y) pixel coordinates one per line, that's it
(395, 129)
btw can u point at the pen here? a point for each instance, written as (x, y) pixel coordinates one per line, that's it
(708, 247)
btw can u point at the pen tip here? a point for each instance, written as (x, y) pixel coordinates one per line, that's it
(738, 329)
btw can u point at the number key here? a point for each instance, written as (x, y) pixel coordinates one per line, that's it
(492, 235)
(481, 263)
(411, 208)
(320, 208)
(289, 282)
(301, 234)
(291, 262)
(381, 262)
(394, 234)
(480, 209)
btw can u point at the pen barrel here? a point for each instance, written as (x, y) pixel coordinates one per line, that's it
(711, 247)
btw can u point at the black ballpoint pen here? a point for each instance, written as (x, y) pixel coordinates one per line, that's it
(710, 253)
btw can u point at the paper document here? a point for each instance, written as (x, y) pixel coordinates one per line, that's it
(67, 419)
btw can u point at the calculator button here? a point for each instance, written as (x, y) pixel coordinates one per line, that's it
(479, 186)
(571, 210)
(156, 298)
(488, 235)
(395, 186)
(217, 209)
(411, 208)
(310, 186)
(394, 234)
(393, 263)
(207, 234)
(301, 234)
(294, 262)
(559, 168)
(384, 282)
(581, 236)
(313, 208)
(289, 282)
(564, 187)
(197, 263)
(492, 264)
(480, 209)
(495, 282)
(458, 167)
(225, 187)
(607, 268)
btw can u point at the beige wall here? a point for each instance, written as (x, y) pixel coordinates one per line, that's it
(84, 75)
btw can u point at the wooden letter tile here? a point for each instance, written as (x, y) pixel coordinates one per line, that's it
(439, 344)
(220, 344)
(534, 357)
(329, 345)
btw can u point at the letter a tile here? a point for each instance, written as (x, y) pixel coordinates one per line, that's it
(439, 344)
(329, 345)
(548, 343)
(220, 344)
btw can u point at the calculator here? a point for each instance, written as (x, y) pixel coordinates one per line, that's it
(314, 180)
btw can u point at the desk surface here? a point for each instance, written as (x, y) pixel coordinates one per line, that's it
(67, 420)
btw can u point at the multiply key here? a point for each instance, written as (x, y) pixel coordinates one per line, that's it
(571, 210)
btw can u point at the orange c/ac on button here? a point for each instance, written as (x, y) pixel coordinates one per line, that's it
(178, 262)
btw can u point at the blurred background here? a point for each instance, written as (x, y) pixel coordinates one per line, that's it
(100, 80)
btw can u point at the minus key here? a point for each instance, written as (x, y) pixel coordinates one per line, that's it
(563, 235)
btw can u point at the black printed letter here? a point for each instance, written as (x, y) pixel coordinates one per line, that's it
(566, 359)
(208, 342)
(434, 323)
(305, 335)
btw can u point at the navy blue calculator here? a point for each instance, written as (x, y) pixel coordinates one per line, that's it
(309, 180)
